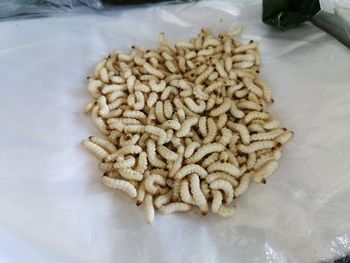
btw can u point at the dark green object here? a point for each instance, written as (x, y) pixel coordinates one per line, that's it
(285, 14)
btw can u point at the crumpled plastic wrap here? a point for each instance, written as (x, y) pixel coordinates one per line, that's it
(53, 206)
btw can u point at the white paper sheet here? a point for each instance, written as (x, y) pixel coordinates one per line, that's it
(53, 207)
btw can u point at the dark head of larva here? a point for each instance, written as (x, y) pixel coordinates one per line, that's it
(263, 181)
(133, 47)
(257, 71)
(251, 41)
(279, 145)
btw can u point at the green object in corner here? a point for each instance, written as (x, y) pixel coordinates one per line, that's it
(285, 14)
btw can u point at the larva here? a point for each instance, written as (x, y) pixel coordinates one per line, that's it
(264, 172)
(202, 126)
(221, 122)
(222, 176)
(217, 201)
(197, 107)
(141, 193)
(241, 129)
(266, 89)
(225, 211)
(243, 185)
(204, 150)
(157, 87)
(174, 207)
(203, 76)
(163, 199)
(95, 149)
(99, 67)
(272, 124)
(153, 183)
(224, 186)
(241, 94)
(251, 160)
(168, 109)
(224, 167)
(198, 196)
(159, 111)
(130, 174)
(252, 87)
(220, 69)
(122, 185)
(212, 131)
(172, 124)
(122, 162)
(210, 159)
(186, 45)
(160, 133)
(142, 162)
(256, 146)
(149, 208)
(190, 148)
(153, 71)
(248, 105)
(141, 87)
(151, 154)
(152, 99)
(166, 153)
(216, 85)
(244, 48)
(205, 52)
(256, 115)
(211, 101)
(284, 137)
(105, 144)
(186, 126)
(178, 162)
(223, 108)
(113, 87)
(270, 135)
(264, 158)
(185, 193)
(226, 136)
(189, 169)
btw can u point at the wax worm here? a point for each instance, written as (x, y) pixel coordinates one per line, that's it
(198, 196)
(222, 176)
(265, 88)
(189, 169)
(203, 76)
(284, 137)
(235, 112)
(174, 207)
(166, 153)
(221, 122)
(211, 101)
(160, 133)
(159, 111)
(186, 126)
(122, 185)
(252, 87)
(264, 158)
(255, 127)
(212, 131)
(242, 93)
(106, 145)
(204, 150)
(179, 105)
(163, 199)
(172, 124)
(226, 136)
(168, 109)
(248, 105)
(95, 149)
(244, 48)
(241, 129)
(206, 52)
(270, 135)
(226, 187)
(130, 174)
(210, 159)
(99, 67)
(251, 160)
(153, 183)
(224, 107)
(185, 193)
(256, 146)
(113, 87)
(263, 173)
(197, 107)
(272, 124)
(217, 201)
(256, 115)
(220, 69)
(94, 87)
(151, 154)
(149, 208)
(202, 126)
(190, 148)
(106, 167)
(186, 45)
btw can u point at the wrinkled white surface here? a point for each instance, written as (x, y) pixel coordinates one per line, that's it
(53, 207)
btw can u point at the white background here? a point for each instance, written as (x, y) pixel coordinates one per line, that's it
(53, 207)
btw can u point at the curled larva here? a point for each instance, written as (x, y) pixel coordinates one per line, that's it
(186, 126)
(174, 207)
(122, 185)
(256, 146)
(221, 121)
(105, 144)
(190, 169)
(223, 176)
(190, 148)
(248, 105)
(265, 88)
(224, 167)
(160, 133)
(199, 93)
(157, 87)
(152, 99)
(210, 159)
(197, 107)
(130, 174)
(111, 97)
(141, 87)
(264, 172)
(204, 150)
(284, 137)
(122, 162)
(198, 196)
(166, 153)
(168, 91)
(224, 186)
(217, 201)
(226, 136)
(163, 199)
(95, 149)
(140, 101)
(212, 131)
(149, 208)
(241, 129)
(151, 154)
(224, 107)
(232, 89)
(253, 115)
(271, 124)
(243, 185)
(185, 193)
(153, 183)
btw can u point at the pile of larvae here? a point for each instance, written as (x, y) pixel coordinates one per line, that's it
(184, 126)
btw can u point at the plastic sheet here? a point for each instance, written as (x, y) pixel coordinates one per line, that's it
(53, 207)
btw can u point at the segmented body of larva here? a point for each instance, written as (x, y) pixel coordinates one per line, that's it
(185, 124)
